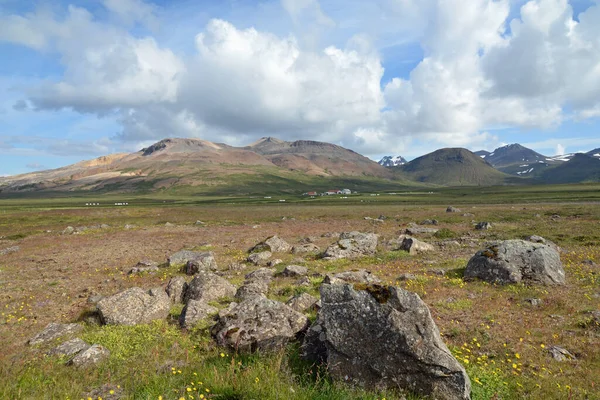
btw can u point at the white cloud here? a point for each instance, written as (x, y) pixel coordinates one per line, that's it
(560, 150)
(243, 83)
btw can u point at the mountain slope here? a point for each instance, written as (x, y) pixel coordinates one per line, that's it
(453, 167)
(518, 160)
(200, 166)
(482, 153)
(580, 168)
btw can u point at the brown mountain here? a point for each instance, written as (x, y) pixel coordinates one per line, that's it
(202, 165)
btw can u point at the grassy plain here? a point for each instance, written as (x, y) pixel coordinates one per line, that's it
(499, 337)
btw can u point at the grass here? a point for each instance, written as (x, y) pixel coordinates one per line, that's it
(51, 276)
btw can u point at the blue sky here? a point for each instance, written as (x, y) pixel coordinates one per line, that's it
(81, 79)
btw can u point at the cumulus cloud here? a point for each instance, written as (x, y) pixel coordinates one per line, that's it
(480, 71)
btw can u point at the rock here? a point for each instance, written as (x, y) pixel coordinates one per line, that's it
(108, 391)
(183, 256)
(274, 262)
(407, 277)
(143, 270)
(259, 324)
(273, 244)
(539, 239)
(429, 222)
(9, 250)
(534, 302)
(130, 226)
(414, 246)
(53, 331)
(436, 271)
(352, 245)
(294, 271)
(418, 230)
(305, 248)
(176, 288)
(308, 239)
(202, 262)
(207, 287)
(198, 223)
(69, 348)
(236, 267)
(384, 337)
(357, 276)
(94, 298)
(513, 261)
(304, 281)
(227, 309)
(260, 258)
(483, 226)
(331, 234)
(134, 306)
(451, 209)
(261, 274)
(468, 215)
(91, 356)
(252, 289)
(560, 353)
(302, 302)
(195, 311)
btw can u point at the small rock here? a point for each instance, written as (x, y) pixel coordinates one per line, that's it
(418, 230)
(252, 289)
(69, 348)
(130, 226)
(304, 281)
(451, 209)
(260, 258)
(53, 331)
(534, 302)
(9, 250)
(415, 246)
(261, 274)
(202, 262)
(68, 230)
(358, 276)
(91, 356)
(207, 287)
(429, 222)
(274, 262)
(302, 302)
(195, 311)
(107, 391)
(306, 248)
(294, 271)
(352, 245)
(273, 244)
(236, 267)
(407, 277)
(199, 223)
(560, 353)
(483, 226)
(176, 288)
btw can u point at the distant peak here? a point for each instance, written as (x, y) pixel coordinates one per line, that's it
(267, 140)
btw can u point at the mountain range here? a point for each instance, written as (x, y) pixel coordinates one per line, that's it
(270, 165)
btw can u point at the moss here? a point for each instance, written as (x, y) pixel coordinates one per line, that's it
(492, 252)
(380, 293)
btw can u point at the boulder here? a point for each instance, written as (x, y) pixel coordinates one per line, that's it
(9, 250)
(202, 262)
(261, 274)
(134, 306)
(483, 226)
(144, 266)
(352, 245)
(414, 246)
(451, 209)
(252, 289)
(419, 230)
(560, 353)
(183, 256)
(69, 348)
(91, 356)
(53, 331)
(384, 337)
(260, 258)
(539, 239)
(302, 302)
(513, 261)
(259, 324)
(357, 276)
(429, 222)
(207, 287)
(274, 262)
(294, 271)
(273, 244)
(305, 248)
(176, 288)
(195, 311)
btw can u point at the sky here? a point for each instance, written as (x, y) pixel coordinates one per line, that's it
(85, 78)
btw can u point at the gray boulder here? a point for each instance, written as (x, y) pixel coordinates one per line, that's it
(306, 248)
(252, 289)
(429, 222)
(176, 288)
(273, 244)
(134, 306)
(451, 209)
(420, 230)
(294, 271)
(358, 276)
(302, 302)
(69, 348)
(560, 353)
(513, 261)
(207, 287)
(145, 266)
(274, 263)
(195, 311)
(202, 262)
(414, 246)
(91, 356)
(259, 324)
(483, 226)
(260, 258)
(181, 258)
(352, 245)
(9, 250)
(53, 331)
(261, 274)
(384, 337)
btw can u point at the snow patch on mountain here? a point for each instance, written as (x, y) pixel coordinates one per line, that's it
(392, 161)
